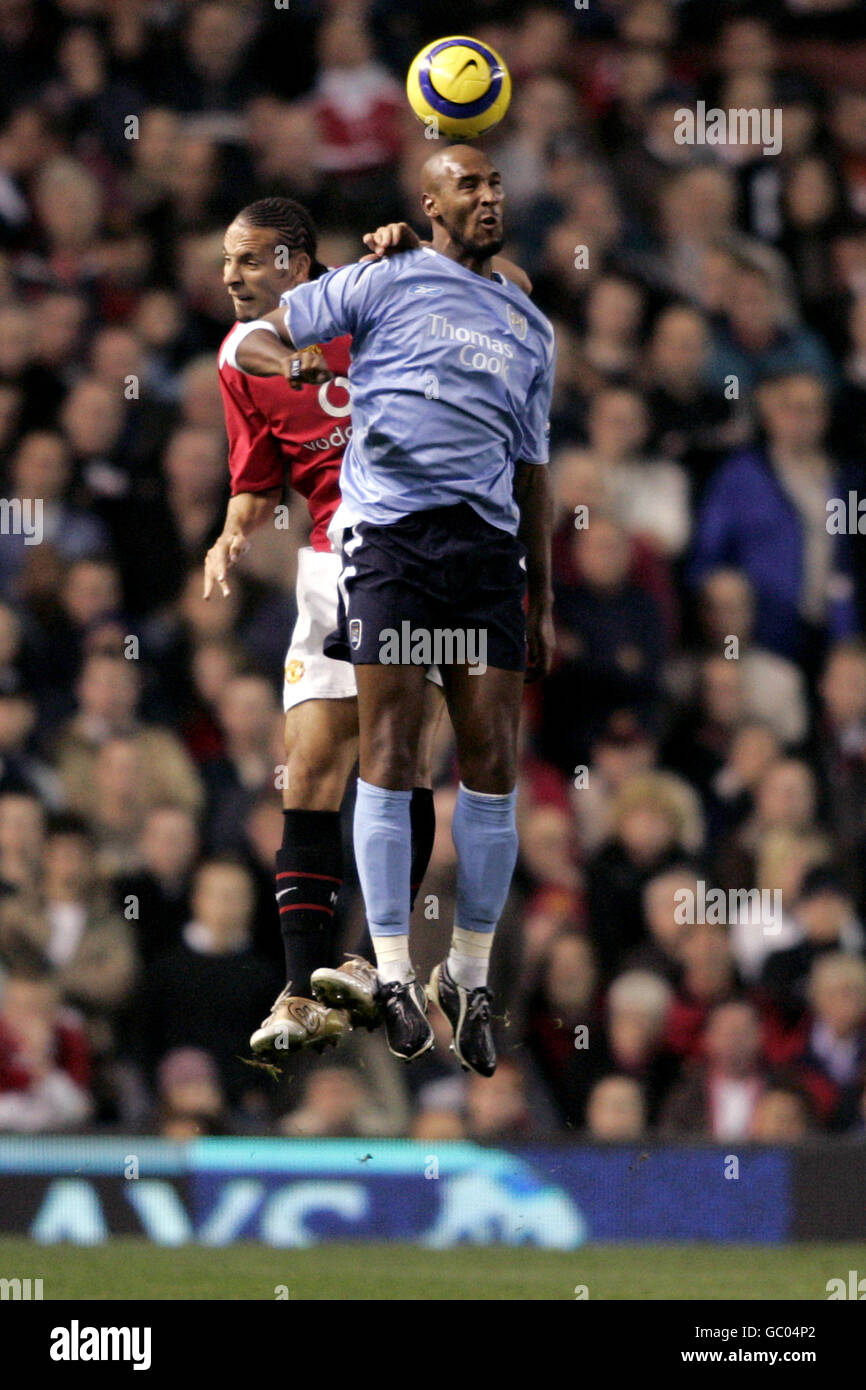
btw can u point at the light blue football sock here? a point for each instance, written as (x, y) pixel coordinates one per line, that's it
(383, 854)
(484, 830)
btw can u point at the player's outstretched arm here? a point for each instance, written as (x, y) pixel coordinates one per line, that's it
(246, 512)
(395, 237)
(535, 500)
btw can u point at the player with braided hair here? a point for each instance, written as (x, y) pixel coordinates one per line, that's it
(279, 434)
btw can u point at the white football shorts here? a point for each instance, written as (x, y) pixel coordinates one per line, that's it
(309, 674)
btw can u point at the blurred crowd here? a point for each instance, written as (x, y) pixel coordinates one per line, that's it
(705, 723)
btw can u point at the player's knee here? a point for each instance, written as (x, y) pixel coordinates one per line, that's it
(388, 760)
(389, 768)
(491, 774)
(488, 767)
(389, 748)
(315, 780)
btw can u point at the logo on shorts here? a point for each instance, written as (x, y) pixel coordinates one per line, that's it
(517, 323)
(354, 633)
(294, 671)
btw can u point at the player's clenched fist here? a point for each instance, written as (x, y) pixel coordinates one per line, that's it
(395, 236)
(307, 367)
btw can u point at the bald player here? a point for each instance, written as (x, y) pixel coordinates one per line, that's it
(445, 528)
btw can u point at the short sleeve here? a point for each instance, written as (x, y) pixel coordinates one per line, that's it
(335, 304)
(255, 459)
(535, 441)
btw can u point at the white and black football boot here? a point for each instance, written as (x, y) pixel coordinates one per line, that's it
(406, 1023)
(469, 1013)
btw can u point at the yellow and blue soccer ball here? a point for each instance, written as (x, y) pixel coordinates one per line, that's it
(462, 83)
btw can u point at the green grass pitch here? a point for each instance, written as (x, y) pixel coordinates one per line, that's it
(133, 1269)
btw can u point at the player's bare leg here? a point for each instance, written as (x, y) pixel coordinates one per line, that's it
(485, 712)
(321, 749)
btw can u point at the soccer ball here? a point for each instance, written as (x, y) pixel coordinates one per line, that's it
(459, 87)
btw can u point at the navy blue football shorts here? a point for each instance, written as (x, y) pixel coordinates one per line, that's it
(439, 587)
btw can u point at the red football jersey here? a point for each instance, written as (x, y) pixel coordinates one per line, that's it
(276, 432)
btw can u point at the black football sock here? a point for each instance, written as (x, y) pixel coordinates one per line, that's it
(423, 819)
(365, 946)
(308, 880)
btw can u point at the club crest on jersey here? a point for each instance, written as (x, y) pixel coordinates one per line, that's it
(294, 671)
(517, 323)
(354, 633)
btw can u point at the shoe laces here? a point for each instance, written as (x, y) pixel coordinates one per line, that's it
(396, 988)
(478, 1007)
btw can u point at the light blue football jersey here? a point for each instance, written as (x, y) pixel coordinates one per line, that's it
(451, 382)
